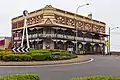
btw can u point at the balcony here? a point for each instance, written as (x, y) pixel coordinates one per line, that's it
(70, 37)
(62, 37)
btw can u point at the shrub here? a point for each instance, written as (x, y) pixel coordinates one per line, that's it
(34, 51)
(59, 53)
(72, 55)
(26, 57)
(56, 57)
(8, 57)
(56, 53)
(46, 51)
(17, 57)
(20, 77)
(53, 56)
(1, 56)
(59, 57)
(40, 57)
(40, 51)
(1, 50)
(63, 51)
(96, 78)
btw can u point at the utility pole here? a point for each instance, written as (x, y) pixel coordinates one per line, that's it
(110, 38)
(76, 23)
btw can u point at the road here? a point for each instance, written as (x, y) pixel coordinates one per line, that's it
(102, 65)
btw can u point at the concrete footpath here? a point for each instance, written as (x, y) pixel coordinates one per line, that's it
(81, 58)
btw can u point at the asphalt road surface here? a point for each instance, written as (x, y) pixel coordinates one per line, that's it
(101, 65)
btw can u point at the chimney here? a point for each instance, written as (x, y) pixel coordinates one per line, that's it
(90, 15)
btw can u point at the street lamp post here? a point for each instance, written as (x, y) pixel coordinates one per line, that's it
(110, 38)
(76, 21)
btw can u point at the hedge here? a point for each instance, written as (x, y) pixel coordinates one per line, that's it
(20, 77)
(1, 57)
(17, 57)
(59, 57)
(46, 51)
(1, 50)
(36, 57)
(97, 78)
(57, 53)
(40, 51)
(63, 56)
(72, 55)
(40, 57)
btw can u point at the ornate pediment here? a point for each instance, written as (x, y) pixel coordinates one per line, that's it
(48, 21)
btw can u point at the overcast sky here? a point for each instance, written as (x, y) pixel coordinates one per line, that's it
(103, 10)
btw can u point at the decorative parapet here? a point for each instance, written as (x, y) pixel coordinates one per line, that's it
(50, 15)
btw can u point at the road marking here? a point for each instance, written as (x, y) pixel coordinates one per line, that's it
(54, 65)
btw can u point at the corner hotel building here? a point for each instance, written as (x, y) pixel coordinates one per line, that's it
(52, 28)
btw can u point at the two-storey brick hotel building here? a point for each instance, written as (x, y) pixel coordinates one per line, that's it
(53, 28)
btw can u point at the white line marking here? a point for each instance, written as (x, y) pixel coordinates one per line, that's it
(91, 59)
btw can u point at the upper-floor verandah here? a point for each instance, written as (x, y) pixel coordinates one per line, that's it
(60, 32)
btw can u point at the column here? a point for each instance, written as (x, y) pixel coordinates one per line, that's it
(93, 44)
(83, 47)
(101, 48)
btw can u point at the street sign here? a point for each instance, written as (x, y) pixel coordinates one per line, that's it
(25, 31)
(20, 49)
(25, 13)
(80, 46)
(107, 43)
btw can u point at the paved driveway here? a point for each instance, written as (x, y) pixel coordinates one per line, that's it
(102, 65)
